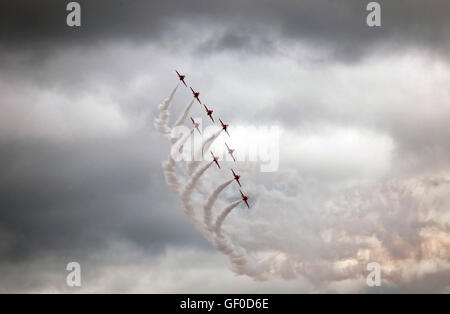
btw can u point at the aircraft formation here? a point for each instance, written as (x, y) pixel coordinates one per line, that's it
(224, 126)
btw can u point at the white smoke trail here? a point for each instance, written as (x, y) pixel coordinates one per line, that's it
(181, 119)
(161, 123)
(237, 255)
(223, 215)
(170, 175)
(206, 144)
(177, 147)
(210, 202)
(189, 187)
(169, 166)
(178, 150)
(241, 262)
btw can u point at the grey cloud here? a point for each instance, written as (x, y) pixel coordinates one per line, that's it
(236, 39)
(72, 198)
(338, 27)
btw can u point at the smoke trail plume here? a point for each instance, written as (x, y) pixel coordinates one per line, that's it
(161, 123)
(224, 214)
(190, 185)
(206, 144)
(169, 166)
(236, 255)
(177, 147)
(176, 150)
(181, 119)
(211, 200)
(170, 175)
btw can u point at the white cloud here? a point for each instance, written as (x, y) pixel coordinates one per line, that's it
(30, 112)
(337, 151)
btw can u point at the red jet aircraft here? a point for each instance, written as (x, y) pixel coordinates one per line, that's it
(224, 127)
(230, 151)
(196, 94)
(209, 113)
(236, 177)
(215, 160)
(181, 77)
(244, 198)
(196, 125)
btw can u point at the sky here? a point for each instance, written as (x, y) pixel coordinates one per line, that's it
(364, 167)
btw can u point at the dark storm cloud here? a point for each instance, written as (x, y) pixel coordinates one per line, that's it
(338, 26)
(237, 40)
(75, 197)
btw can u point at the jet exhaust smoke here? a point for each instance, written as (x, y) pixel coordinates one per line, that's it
(211, 200)
(170, 175)
(192, 165)
(224, 215)
(161, 123)
(182, 118)
(190, 185)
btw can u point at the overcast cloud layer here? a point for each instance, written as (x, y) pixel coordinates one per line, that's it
(363, 111)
